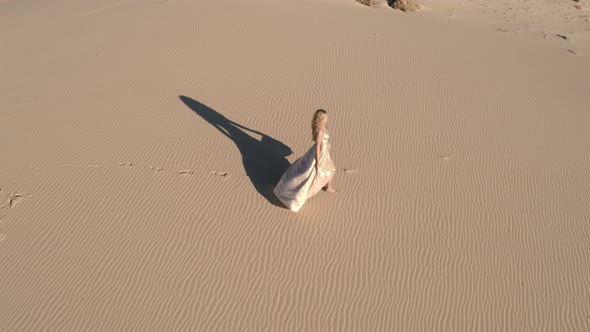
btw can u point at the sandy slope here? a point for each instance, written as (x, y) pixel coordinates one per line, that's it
(141, 140)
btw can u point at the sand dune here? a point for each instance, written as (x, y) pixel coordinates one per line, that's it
(141, 141)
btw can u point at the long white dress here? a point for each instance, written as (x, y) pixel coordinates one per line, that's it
(301, 181)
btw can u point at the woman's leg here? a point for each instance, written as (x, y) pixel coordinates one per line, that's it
(329, 188)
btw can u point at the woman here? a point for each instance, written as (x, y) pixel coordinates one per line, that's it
(310, 173)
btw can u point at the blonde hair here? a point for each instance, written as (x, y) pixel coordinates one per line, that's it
(316, 123)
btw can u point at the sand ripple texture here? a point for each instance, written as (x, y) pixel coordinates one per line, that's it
(141, 141)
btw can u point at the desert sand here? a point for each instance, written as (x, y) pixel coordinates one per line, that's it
(141, 140)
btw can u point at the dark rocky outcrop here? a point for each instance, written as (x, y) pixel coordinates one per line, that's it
(404, 5)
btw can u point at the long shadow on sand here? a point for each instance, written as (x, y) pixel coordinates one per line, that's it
(264, 160)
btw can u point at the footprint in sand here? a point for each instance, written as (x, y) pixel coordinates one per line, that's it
(223, 175)
(564, 37)
(573, 52)
(14, 199)
(156, 168)
(445, 158)
(351, 170)
(125, 164)
(186, 172)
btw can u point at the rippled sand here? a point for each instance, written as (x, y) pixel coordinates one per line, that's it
(141, 141)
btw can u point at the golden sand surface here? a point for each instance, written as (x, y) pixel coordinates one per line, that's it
(141, 141)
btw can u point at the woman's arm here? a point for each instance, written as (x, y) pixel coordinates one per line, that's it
(318, 147)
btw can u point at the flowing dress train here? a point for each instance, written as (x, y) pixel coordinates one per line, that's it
(301, 181)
